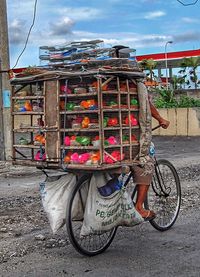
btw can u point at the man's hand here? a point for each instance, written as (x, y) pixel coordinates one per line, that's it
(164, 123)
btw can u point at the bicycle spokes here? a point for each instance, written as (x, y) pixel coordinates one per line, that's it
(164, 195)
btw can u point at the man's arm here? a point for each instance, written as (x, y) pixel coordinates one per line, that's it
(154, 112)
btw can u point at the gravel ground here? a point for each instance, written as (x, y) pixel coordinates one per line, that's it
(24, 229)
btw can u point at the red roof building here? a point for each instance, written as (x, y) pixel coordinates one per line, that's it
(173, 59)
(171, 56)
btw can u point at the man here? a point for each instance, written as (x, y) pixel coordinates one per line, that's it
(142, 180)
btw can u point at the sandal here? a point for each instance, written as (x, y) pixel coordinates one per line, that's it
(150, 216)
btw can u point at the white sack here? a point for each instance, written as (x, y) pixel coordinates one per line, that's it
(104, 213)
(55, 194)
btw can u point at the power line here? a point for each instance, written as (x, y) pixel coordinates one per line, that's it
(29, 32)
(189, 4)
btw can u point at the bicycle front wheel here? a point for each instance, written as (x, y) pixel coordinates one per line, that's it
(88, 245)
(164, 195)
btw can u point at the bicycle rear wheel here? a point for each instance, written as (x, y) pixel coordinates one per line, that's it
(164, 196)
(89, 245)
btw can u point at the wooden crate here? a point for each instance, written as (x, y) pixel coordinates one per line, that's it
(77, 121)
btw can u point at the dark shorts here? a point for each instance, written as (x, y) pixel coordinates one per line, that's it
(139, 177)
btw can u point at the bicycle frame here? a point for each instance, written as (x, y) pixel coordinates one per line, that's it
(157, 183)
(162, 187)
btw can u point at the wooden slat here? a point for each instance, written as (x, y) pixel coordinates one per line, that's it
(80, 147)
(80, 112)
(78, 95)
(123, 110)
(100, 167)
(27, 113)
(96, 130)
(27, 97)
(121, 92)
(51, 120)
(30, 146)
(80, 130)
(34, 129)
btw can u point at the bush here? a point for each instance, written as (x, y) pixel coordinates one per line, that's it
(166, 99)
(188, 102)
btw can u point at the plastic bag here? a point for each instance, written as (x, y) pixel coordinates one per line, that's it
(104, 213)
(55, 195)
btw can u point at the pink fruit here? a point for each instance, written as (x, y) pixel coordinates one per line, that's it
(67, 141)
(75, 157)
(112, 140)
(83, 158)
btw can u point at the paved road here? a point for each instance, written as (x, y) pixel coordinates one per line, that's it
(139, 251)
(177, 148)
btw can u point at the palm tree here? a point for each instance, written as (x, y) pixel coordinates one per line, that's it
(178, 81)
(148, 64)
(192, 64)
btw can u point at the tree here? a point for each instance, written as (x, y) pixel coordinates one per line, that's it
(148, 64)
(178, 81)
(192, 64)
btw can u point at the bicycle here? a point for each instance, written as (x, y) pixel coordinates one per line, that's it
(164, 197)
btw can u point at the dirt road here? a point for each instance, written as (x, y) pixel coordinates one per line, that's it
(28, 248)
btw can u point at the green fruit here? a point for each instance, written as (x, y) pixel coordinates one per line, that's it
(70, 106)
(105, 121)
(112, 103)
(106, 143)
(134, 102)
(83, 140)
(125, 138)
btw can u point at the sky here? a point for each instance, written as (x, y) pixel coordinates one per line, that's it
(145, 25)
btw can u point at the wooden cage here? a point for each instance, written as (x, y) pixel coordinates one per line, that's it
(87, 120)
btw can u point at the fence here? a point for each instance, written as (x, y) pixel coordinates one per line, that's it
(183, 122)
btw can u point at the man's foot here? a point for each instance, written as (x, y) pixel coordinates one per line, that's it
(150, 216)
(147, 215)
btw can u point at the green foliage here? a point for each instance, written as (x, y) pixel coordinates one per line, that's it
(166, 99)
(188, 102)
(192, 64)
(148, 64)
(178, 81)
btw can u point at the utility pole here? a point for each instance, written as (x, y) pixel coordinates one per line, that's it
(2, 150)
(5, 115)
(166, 67)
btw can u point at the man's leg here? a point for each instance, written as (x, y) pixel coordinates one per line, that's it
(143, 182)
(142, 190)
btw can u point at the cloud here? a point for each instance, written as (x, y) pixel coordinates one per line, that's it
(153, 40)
(81, 14)
(135, 40)
(155, 14)
(190, 20)
(62, 27)
(16, 31)
(187, 37)
(20, 8)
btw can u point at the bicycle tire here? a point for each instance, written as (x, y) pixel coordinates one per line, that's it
(83, 245)
(164, 197)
